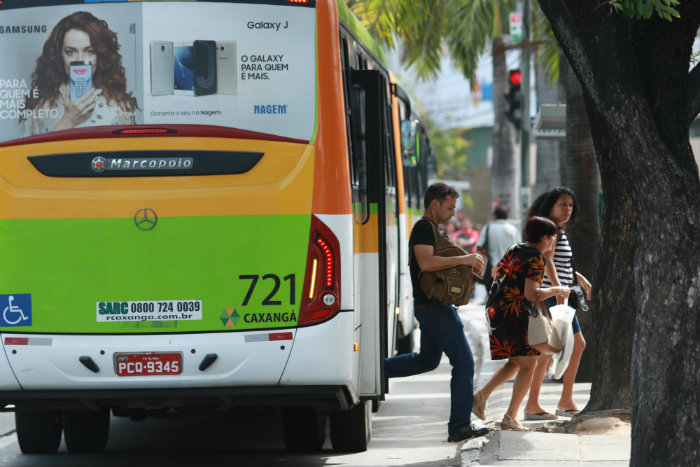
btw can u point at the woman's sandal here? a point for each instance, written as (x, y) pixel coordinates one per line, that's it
(512, 424)
(568, 413)
(540, 416)
(479, 407)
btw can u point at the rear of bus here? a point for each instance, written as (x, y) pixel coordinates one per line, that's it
(173, 252)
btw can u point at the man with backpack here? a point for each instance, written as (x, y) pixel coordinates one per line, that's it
(441, 327)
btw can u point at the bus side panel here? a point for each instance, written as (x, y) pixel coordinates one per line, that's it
(8, 381)
(322, 354)
(332, 170)
(406, 315)
(368, 308)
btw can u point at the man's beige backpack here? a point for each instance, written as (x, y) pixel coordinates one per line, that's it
(451, 286)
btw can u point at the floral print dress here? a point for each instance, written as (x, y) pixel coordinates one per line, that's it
(507, 310)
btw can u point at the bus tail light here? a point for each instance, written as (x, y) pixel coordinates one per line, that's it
(321, 293)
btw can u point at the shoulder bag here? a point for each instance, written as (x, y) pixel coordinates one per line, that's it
(486, 278)
(452, 286)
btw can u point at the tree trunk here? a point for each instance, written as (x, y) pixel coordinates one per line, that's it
(665, 367)
(503, 175)
(583, 178)
(641, 100)
(614, 304)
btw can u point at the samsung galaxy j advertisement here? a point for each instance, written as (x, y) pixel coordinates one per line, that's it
(247, 66)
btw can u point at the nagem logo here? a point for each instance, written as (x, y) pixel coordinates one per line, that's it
(100, 164)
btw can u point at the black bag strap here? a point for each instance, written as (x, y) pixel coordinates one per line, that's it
(486, 233)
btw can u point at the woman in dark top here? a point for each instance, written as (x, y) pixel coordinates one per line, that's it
(519, 276)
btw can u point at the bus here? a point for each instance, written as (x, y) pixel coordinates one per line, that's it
(203, 204)
(417, 160)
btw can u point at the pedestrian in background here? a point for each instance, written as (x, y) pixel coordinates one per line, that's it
(466, 236)
(441, 327)
(450, 229)
(496, 237)
(518, 280)
(559, 205)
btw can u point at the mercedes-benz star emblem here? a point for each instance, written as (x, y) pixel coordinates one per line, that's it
(99, 164)
(146, 219)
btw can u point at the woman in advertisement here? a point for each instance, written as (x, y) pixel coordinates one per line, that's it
(79, 79)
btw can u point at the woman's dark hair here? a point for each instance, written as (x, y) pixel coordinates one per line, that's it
(110, 75)
(537, 227)
(543, 204)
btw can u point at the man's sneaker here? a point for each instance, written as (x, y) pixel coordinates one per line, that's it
(470, 430)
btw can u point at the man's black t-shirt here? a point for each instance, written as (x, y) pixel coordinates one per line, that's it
(422, 234)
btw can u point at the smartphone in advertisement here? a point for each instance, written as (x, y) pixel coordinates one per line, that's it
(226, 67)
(80, 79)
(183, 68)
(204, 67)
(161, 68)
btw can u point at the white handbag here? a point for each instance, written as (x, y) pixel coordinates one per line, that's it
(541, 334)
(562, 315)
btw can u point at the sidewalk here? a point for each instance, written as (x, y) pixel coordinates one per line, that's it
(536, 448)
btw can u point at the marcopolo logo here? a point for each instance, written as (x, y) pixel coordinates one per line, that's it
(101, 164)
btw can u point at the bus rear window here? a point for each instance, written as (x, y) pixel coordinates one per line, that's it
(244, 66)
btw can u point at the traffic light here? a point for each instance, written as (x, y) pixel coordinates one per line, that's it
(514, 99)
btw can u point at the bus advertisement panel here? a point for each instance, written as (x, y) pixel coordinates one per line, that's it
(243, 66)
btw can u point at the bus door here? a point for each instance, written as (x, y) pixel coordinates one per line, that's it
(379, 235)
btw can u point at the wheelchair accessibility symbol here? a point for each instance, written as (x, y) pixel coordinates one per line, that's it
(17, 310)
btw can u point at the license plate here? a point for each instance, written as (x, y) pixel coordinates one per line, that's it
(148, 364)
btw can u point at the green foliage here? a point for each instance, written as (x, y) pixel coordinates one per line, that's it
(547, 50)
(695, 58)
(359, 30)
(643, 9)
(429, 29)
(418, 24)
(450, 148)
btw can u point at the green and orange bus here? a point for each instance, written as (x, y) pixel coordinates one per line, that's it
(201, 204)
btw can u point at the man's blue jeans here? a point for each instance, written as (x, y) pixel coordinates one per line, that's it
(441, 331)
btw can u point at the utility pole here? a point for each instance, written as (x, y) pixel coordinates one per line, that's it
(525, 130)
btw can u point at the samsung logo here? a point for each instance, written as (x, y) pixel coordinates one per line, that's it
(25, 29)
(100, 164)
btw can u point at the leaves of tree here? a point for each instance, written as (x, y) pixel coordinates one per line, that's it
(643, 9)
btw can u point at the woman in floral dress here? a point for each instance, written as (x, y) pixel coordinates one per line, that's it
(519, 277)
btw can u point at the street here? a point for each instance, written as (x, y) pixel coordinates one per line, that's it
(410, 428)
